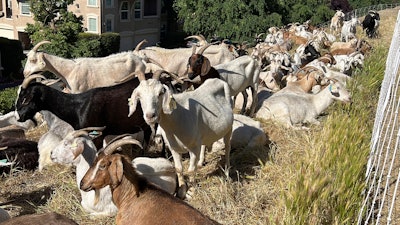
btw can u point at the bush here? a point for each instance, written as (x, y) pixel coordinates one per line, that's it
(109, 43)
(7, 99)
(88, 45)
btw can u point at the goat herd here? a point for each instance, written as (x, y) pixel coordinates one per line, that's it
(109, 110)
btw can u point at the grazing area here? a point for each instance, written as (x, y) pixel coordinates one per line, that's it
(312, 176)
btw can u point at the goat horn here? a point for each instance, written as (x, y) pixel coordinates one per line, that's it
(259, 35)
(138, 46)
(28, 80)
(36, 47)
(50, 82)
(157, 74)
(200, 52)
(110, 148)
(198, 37)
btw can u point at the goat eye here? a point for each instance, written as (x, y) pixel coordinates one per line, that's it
(102, 167)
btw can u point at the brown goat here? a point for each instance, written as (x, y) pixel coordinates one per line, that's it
(51, 218)
(138, 201)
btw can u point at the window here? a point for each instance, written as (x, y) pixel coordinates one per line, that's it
(8, 8)
(138, 10)
(150, 8)
(25, 8)
(92, 24)
(109, 3)
(109, 23)
(124, 11)
(92, 2)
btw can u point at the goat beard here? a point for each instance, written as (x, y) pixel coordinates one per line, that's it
(96, 196)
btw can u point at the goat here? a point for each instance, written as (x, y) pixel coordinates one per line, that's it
(78, 149)
(9, 119)
(340, 44)
(291, 109)
(349, 29)
(4, 215)
(175, 60)
(82, 74)
(337, 22)
(19, 153)
(39, 219)
(246, 133)
(240, 73)
(105, 106)
(57, 130)
(363, 46)
(190, 120)
(138, 201)
(12, 131)
(371, 23)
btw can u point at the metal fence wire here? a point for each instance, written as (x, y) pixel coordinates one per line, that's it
(383, 169)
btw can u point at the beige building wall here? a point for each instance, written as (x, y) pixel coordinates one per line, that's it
(99, 16)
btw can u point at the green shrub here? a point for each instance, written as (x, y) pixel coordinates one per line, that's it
(7, 99)
(109, 43)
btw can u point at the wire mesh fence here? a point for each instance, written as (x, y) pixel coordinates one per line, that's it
(383, 168)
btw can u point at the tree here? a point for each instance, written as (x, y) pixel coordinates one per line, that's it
(54, 23)
(238, 20)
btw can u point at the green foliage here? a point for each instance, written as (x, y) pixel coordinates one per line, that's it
(56, 24)
(234, 19)
(109, 43)
(7, 99)
(11, 57)
(88, 45)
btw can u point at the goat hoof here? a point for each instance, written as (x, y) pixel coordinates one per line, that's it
(190, 194)
(182, 192)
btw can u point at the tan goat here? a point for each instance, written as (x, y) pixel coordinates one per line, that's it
(138, 201)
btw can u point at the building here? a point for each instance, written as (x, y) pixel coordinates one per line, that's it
(133, 20)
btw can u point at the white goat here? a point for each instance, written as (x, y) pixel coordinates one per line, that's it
(291, 109)
(78, 149)
(82, 74)
(175, 60)
(10, 119)
(190, 120)
(246, 133)
(57, 130)
(349, 29)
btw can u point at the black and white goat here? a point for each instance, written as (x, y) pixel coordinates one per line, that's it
(371, 23)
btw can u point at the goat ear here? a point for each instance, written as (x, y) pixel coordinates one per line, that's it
(116, 171)
(168, 104)
(77, 148)
(205, 67)
(132, 102)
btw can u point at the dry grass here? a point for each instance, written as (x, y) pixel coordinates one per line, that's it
(268, 185)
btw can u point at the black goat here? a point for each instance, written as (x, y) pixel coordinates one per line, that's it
(98, 107)
(371, 23)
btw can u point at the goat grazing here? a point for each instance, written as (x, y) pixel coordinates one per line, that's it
(240, 73)
(337, 22)
(82, 74)
(349, 29)
(138, 201)
(295, 108)
(98, 107)
(190, 120)
(39, 219)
